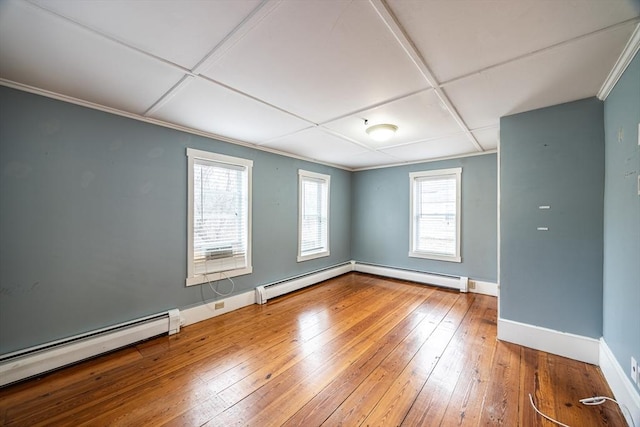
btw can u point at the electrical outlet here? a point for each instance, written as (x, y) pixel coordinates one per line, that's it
(634, 370)
(472, 284)
(219, 305)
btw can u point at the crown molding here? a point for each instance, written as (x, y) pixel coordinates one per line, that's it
(627, 55)
(415, 162)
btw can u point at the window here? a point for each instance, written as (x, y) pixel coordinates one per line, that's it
(219, 217)
(313, 215)
(435, 214)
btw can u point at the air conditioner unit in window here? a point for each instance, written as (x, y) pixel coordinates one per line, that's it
(217, 253)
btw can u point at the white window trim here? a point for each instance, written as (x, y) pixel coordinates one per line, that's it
(438, 172)
(327, 178)
(193, 279)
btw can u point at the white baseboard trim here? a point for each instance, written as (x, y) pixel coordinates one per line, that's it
(453, 282)
(204, 311)
(564, 344)
(207, 310)
(620, 383)
(485, 288)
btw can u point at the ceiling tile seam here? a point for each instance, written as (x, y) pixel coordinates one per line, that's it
(376, 105)
(456, 116)
(254, 98)
(540, 51)
(247, 24)
(397, 31)
(286, 135)
(112, 39)
(179, 86)
(257, 15)
(418, 141)
(110, 110)
(169, 94)
(392, 23)
(485, 127)
(346, 138)
(327, 130)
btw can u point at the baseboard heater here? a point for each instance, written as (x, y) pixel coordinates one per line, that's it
(455, 282)
(37, 360)
(276, 289)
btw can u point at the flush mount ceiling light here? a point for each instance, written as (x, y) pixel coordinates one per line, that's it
(382, 132)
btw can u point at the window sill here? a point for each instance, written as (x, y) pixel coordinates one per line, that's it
(308, 257)
(213, 277)
(437, 257)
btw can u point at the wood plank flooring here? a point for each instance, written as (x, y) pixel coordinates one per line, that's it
(354, 350)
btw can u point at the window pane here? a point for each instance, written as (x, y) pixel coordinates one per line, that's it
(436, 215)
(313, 215)
(314, 221)
(220, 216)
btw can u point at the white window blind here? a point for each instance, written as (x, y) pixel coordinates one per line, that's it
(435, 214)
(219, 234)
(313, 215)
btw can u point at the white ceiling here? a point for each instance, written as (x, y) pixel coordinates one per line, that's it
(301, 76)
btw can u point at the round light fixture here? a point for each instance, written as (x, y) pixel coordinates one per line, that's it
(382, 132)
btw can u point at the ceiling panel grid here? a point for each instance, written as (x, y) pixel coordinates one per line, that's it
(302, 76)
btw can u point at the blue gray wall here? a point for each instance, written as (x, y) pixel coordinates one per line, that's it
(553, 156)
(93, 219)
(380, 222)
(622, 218)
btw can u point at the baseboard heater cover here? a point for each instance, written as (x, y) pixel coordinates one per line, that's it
(276, 289)
(37, 360)
(454, 282)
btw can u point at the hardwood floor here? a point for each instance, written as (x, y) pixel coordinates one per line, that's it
(354, 350)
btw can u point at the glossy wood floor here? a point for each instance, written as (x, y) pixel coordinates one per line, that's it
(355, 350)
